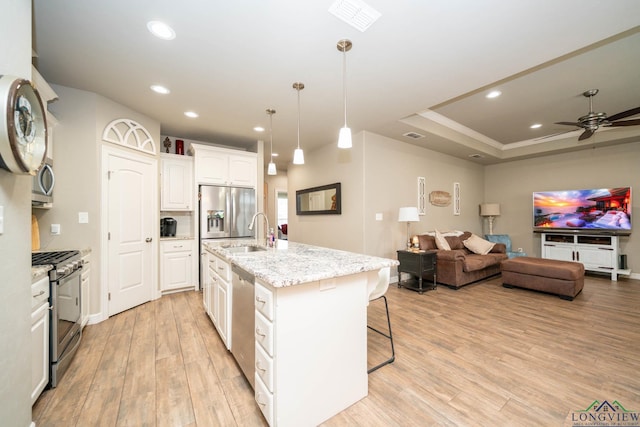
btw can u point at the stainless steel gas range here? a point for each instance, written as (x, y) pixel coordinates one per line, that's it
(65, 301)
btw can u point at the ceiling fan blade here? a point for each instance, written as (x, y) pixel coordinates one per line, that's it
(586, 134)
(568, 123)
(634, 122)
(624, 114)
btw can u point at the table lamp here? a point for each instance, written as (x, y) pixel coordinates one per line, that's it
(408, 214)
(490, 210)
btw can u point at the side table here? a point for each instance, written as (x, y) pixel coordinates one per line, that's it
(419, 264)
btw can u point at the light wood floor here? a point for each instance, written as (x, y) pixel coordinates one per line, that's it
(482, 355)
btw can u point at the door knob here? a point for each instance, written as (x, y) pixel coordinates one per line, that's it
(148, 239)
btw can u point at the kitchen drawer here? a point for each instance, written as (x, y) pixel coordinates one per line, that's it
(264, 367)
(264, 399)
(176, 245)
(39, 292)
(223, 269)
(264, 333)
(264, 301)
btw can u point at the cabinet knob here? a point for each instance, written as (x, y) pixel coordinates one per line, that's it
(148, 239)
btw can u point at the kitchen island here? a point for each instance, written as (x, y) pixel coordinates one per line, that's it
(310, 328)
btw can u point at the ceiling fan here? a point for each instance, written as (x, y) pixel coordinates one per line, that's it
(592, 121)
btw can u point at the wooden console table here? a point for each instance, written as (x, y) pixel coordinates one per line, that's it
(417, 264)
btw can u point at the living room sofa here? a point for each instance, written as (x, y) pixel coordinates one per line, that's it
(460, 266)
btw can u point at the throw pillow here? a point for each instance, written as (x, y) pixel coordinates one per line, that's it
(478, 245)
(454, 242)
(441, 242)
(427, 242)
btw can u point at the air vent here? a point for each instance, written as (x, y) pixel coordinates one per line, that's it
(413, 135)
(356, 13)
(476, 156)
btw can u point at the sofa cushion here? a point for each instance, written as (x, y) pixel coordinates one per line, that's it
(475, 262)
(441, 242)
(478, 245)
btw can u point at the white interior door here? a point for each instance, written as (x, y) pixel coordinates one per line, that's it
(131, 227)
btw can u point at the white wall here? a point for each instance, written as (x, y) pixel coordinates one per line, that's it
(82, 117)
(391, 176)
(379, 175)
(15, 244)
(512, 184)
(329, 165)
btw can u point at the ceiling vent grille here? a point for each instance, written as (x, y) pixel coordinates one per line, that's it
(356, 13)
(413, 135)
(476, 156)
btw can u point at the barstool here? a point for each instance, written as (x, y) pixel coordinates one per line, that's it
(377, 293)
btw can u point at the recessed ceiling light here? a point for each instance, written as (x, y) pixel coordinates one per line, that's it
(493, 94)
(191, 114)
(160, 89)
(535, 126)
(476, 156)
(161, 30)
(258, 129)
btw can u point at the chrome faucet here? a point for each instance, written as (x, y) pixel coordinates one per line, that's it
(253, 220)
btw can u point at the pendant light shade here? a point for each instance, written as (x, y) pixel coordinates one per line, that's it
(344, 138)
(271, 169)
(298, 155)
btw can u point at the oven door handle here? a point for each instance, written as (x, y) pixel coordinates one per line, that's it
(73, 275)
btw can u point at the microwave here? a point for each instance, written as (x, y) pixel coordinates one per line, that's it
(43, 183)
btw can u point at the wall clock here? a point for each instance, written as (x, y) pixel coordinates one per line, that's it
(23, 126)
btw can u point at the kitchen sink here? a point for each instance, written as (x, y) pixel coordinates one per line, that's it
(244, 249)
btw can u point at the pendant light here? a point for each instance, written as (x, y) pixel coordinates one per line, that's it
(344, 139)
(271, 169)
(298, 154)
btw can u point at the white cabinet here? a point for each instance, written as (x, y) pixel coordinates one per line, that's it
(85, 289)
(598, 253)
(310, 348)
(176, 183)
(177, 260)
(219, 296)
(220, 166)
(39, 337)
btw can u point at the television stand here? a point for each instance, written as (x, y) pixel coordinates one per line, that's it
(598, 252)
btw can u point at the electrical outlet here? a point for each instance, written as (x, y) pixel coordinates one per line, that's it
(55, 228)
(83, 217)
(378, 217)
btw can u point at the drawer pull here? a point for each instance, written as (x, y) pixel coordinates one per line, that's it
(258, 399)
(39, 294)
(260, 300)
(220, 268)
(259, 332)
(259, 367)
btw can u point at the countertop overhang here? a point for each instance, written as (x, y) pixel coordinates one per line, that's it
(290, 263)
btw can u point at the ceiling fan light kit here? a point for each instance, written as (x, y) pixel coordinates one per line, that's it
(592, 121)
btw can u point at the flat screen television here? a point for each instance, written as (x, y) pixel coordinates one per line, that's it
(598, 210)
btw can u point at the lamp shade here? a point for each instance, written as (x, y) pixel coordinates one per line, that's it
(490, 209)
(344, 139)
(408, 214)
(271, 169)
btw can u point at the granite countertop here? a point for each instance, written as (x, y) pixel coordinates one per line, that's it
(39, 272)
(292, 263)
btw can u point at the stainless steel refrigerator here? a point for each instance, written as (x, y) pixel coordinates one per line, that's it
(226, 212)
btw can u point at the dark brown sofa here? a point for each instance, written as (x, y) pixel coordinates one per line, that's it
(459, 266)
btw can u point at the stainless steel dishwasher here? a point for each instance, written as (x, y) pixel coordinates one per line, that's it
(243, 321)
